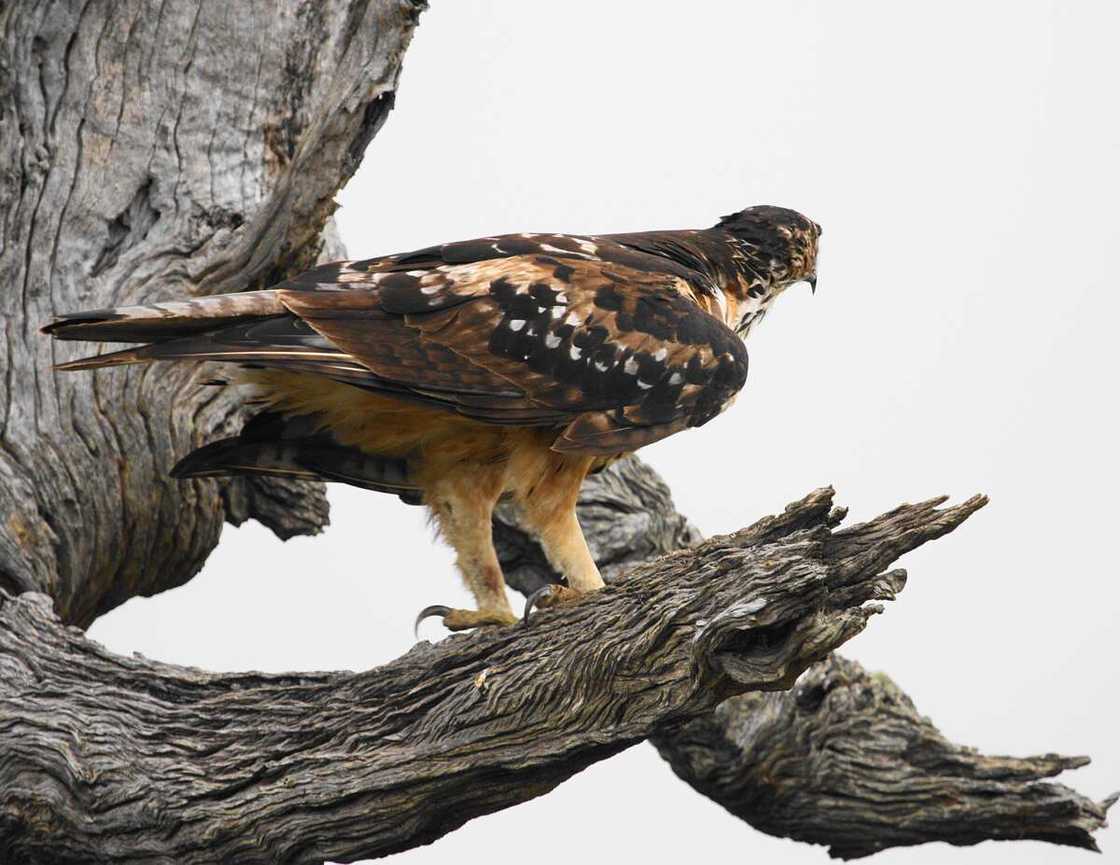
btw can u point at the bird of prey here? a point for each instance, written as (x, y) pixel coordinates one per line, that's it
(455, 375)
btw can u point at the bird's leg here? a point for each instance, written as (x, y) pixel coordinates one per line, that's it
(566, 549)
(550, 515)
(462, 510)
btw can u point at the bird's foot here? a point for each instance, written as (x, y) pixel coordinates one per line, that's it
(552, 595)
(462, 620)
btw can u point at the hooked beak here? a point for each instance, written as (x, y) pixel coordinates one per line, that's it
(812, 280)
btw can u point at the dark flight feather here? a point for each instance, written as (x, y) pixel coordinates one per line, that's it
(296, 446)
(602, 339)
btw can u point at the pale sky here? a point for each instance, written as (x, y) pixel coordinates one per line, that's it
(962, 158)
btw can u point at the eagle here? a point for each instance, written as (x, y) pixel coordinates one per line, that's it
(456, 375)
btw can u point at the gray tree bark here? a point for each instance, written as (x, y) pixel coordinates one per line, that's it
(842, 759)
(151, 150)
(845, 760)
(108, 759)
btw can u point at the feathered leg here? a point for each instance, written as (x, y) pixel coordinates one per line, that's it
(548, 511)
(462, 505)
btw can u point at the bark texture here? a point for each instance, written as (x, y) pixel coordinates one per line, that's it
(843, 759)
(111, 759)
(151, 150)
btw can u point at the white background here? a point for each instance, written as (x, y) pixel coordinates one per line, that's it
(962, 158)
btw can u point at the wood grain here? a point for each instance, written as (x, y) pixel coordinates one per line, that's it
(843, 759)
(105, 758)
(151, 150)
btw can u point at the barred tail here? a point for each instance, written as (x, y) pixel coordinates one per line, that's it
(273, 444)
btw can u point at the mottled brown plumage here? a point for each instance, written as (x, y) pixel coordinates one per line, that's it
(457, 374)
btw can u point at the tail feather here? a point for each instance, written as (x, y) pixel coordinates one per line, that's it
(209, 346)
(113, 358)
(159, 322)
(250, 328)
(275, 445)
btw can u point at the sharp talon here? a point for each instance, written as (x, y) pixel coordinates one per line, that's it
(428, 612)
(531, 602)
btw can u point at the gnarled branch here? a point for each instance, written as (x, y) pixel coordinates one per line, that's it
(843, 759)
(124, 759)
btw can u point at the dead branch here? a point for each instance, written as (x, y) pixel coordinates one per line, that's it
(105, 758)
(843, 759)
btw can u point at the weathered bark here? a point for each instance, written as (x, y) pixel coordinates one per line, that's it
(117, 759)
(843, 759)
(151, 150)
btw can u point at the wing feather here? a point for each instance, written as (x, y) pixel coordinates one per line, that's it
(601, 341)
(612, 354)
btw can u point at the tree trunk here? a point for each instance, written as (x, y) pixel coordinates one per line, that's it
(151, 150)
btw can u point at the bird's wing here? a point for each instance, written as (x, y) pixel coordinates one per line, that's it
(620, 357)
(604, 343)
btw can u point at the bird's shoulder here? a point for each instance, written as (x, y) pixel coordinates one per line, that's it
(535, 331)
(637, 253)
(530, 295)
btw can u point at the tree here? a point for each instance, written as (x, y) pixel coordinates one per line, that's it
(149, 151)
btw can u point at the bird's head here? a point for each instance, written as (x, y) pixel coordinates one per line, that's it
(774, 248)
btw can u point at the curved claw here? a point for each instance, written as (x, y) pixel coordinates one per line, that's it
(434, 610)
(531, 601)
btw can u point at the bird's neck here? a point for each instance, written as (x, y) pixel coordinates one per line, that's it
(739, 310)
(736, 285)
(739, 288)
